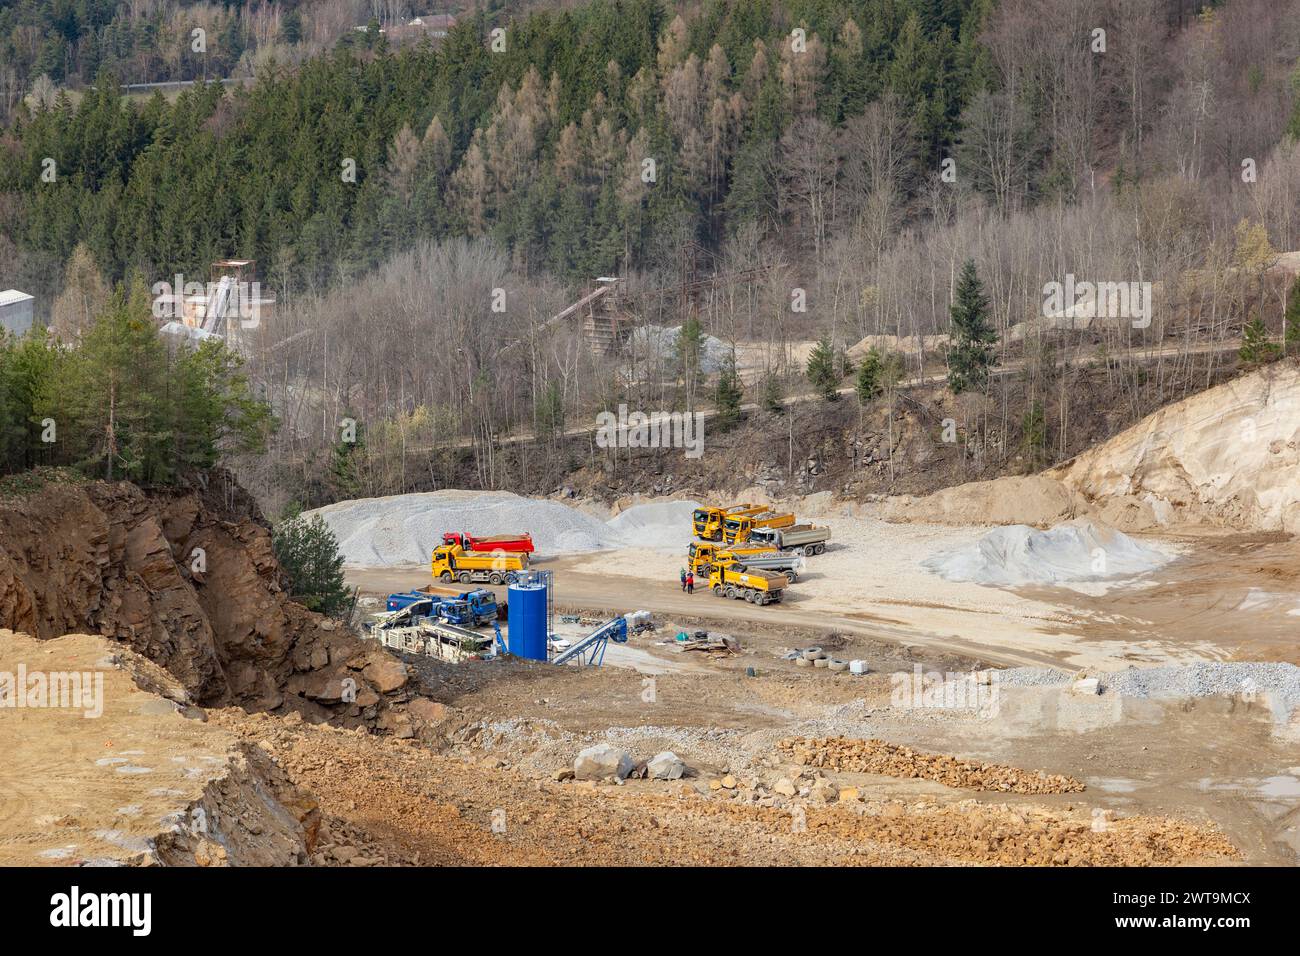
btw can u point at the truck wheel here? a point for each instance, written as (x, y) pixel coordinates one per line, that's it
(730, 591)
(494, 578)
(819, 549)
(445, 576)
(792, 575)
(749, 596)
(463, 578)
(717, 590)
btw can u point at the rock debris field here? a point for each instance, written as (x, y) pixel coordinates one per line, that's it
(1279, 681)
(877, 756)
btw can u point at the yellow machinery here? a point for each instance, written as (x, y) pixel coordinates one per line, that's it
(708, 521)
(737, 528)
(702, 555)
(756, 587)
(453, 563)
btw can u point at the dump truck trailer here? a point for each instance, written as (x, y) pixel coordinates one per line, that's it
(701, 555)
(791, 565)
(707, 522)
(451, 562)
(811, 539)
(736, 529)
(756, 587)
(521, 543)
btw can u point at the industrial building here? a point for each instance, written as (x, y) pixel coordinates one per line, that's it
(17, 311)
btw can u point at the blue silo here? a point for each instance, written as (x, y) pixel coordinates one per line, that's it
(528, 618)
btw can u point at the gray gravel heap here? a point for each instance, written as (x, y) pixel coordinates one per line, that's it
(1203, 679)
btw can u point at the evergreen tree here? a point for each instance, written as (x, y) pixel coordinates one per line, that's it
(822, 370)
(1256, 349)
(729, 395)
(868, 385)
(1033, 441)
(971, 354)
(309, 554)
(773, 395)
(550, 412)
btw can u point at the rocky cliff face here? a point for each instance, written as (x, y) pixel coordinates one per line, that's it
(1228, 456)
(188, 579)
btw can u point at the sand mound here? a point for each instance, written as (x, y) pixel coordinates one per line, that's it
(1034, 500)
(1074, 552)
(1227, 456)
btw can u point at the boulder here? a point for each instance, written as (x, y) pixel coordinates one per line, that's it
(666, 766)
(601, 761)
(386, 673)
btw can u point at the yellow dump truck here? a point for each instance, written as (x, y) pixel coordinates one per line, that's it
(756, 587)
(737, 528)
(451, 562)
(702, 555)
(708, 521)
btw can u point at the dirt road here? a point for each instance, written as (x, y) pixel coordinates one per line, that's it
(599, 593)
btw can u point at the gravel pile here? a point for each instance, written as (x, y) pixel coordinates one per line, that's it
(1206, 679)
(714, 353)
(661, 525)
(404, 529)
(1073, 552)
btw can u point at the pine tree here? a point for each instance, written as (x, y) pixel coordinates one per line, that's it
(822, 371)
(773, 395)
(309, 554)
(1256, 349)
(971, 354)
(729, 395)
(550, 412)
(868, 385)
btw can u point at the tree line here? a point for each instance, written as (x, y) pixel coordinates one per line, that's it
(124, 404)
(597, 140)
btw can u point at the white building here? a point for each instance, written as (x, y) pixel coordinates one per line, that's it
(17, 311)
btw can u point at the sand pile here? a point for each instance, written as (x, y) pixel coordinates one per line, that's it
(1069, 553)
(1015, 499)
(1226, 456)
(404, 529)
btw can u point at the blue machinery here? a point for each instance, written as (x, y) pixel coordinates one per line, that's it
(532, 612)
(532, 623)
(591, 649)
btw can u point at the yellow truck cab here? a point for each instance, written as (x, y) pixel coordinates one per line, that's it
(452, 563)
(702, 555)
(707, 522)
(737, 528)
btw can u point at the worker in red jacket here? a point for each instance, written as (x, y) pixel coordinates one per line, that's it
(690, 582)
